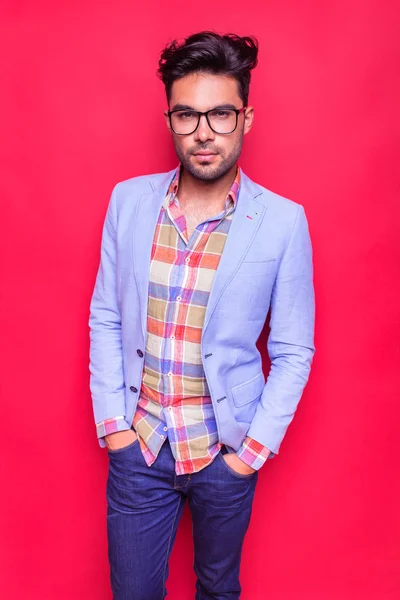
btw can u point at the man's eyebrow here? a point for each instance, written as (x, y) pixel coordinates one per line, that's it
(222, 106)
(182, 107)
(188, 107)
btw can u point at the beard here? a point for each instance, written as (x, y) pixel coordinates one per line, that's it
(210, 172)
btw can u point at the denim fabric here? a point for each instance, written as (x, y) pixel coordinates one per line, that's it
(144, 506)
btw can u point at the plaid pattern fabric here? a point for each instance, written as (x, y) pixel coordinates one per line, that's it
(174, 396)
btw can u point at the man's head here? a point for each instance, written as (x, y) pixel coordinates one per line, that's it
(208, 72)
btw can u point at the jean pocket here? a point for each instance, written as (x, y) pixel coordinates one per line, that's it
(233, 472)
(118, 450)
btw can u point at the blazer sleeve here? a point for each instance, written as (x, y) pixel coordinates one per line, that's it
(107, 383)
(291, 339)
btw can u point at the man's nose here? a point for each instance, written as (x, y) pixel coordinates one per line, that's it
(203, 131)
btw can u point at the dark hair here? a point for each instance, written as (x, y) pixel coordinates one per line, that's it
(209, 52)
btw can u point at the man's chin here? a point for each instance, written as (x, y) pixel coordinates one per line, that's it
(206, 171)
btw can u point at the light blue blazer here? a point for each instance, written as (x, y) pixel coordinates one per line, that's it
(266, 264)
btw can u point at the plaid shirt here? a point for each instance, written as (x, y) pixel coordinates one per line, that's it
(174, 398)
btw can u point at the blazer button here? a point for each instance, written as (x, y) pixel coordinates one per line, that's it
(140, 353)
(133, 388)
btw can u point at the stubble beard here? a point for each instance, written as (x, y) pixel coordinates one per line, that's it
(209, 172)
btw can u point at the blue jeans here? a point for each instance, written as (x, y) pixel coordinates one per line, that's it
(144, 506)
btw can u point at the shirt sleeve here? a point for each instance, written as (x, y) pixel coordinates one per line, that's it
(253, 453)
(111, 425)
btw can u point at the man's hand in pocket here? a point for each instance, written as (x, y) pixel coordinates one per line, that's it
(119, 439)
(237, 464)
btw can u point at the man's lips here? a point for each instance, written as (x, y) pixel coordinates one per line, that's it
(205, 153)
(205, 156)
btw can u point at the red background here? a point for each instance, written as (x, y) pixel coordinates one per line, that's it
(81, 108)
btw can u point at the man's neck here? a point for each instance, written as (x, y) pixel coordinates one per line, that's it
(201, 193)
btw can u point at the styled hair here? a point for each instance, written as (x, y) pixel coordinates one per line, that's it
(209, 52)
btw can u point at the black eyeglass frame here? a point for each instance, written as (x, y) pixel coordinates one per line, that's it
(238, 111)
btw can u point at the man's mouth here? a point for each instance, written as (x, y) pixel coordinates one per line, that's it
(205, 155)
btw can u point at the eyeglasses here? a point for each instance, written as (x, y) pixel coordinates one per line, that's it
(220, 120)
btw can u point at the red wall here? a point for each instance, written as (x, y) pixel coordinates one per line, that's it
(81, 108)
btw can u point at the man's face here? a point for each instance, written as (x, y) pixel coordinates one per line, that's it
(204, 91)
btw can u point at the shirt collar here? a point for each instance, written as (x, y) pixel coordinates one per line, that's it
(231, 195)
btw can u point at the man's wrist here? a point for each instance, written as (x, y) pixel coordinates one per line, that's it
(245, 463)
(117, 438)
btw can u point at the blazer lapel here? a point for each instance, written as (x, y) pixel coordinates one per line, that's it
(147, 211)
(246, 220)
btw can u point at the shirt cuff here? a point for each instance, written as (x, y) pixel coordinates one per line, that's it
(111, 425)
(253, 453)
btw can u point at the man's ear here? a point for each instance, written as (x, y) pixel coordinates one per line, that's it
(167, 119)
(248, 119)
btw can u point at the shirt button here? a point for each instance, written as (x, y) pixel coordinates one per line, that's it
(162, 437)
(139, 352)
(165, 428)
(172, 337)
(133, 388)
(169, 374)
(169, 407)
(187, 259)
(179, 298)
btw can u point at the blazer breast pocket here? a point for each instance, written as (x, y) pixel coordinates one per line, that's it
(257, 266)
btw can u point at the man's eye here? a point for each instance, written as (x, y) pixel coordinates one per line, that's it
(220, 114)
(185, 115)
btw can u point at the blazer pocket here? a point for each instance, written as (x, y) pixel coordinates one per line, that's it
(259, 266)
(249, 390)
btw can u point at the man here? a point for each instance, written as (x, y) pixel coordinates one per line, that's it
(191, 262)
